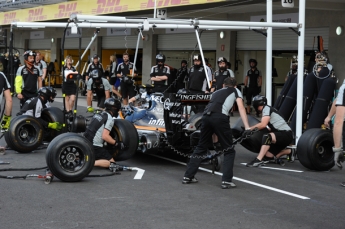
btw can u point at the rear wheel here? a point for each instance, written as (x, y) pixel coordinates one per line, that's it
(124, 131)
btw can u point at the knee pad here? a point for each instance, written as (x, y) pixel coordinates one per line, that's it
(266, 139)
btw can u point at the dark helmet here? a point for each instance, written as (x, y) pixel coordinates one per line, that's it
(112, 105)
(197, 57)
(160, 58)
(254, 61)
(259, 100)
(222, 59)
(95, 56)
(48, 93)
(29, 53)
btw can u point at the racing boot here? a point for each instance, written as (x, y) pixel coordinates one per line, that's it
(5, 123)
(279, 161)
(337, 153)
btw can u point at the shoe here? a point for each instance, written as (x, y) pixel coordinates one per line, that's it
(255, 163)
(226, 185)
(267, 159)
(279, 161)
(291, 155)
(187, 180)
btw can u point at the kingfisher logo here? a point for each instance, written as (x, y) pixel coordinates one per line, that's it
(36, 15)
(151, 3)
(109, 6)
(65, 10)
(9, 18)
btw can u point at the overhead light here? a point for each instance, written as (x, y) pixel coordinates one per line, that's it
(339, 30)
(52, 40)
(221, 34)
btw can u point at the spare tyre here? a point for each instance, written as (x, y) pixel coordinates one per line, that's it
(25, 134)
(70, 157)
(52, 114)
(314, 149)
(125, 132)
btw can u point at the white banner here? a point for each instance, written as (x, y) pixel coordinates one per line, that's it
(37, 35)
(287, 18)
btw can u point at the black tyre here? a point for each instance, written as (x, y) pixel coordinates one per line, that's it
(25, 134)
(124, 131)
(314, 149)
(52, 114)
(70, 157)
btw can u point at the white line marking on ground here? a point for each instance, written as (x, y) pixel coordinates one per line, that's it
(288, 170)
(139, 174)
(242, 180)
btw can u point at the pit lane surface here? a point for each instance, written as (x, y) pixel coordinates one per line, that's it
(264, 198)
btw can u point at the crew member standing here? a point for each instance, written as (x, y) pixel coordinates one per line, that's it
(94, 65)
(42, 66)
(220, 75)
(69, 88)
(197, 82)
(127, 83)
(253, 83)
(27, 79)
(215, 119)
(160, 74)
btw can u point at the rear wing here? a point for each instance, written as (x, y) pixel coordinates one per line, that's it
(175, 117)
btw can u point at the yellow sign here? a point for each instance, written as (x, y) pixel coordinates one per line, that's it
(93, 7)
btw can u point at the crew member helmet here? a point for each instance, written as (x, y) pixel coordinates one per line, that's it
(48, 93)
(160, 58)
(259, 100)
(112, 105)
(254, 61)
(222, 59)
(29, 53)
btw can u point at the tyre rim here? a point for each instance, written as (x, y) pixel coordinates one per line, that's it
(72, 159)
(324, 150)
(27, 134)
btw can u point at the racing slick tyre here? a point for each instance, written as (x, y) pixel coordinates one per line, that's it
(70, 157)
(314, 149)
(25, 134)
(125, 132)
(52, 114)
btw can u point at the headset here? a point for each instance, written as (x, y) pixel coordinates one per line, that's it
(95, 56)
(68, 57)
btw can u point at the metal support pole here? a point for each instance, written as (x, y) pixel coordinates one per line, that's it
(269, 41)
(12, 75)
(136, 52)
(202, 57)
(300, 71)
(92, 39)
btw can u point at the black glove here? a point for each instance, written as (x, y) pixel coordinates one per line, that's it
(247, 133)
(120, 145)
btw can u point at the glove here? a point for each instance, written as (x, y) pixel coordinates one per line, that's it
(246, 133)
(120, 145)
(5, 123)
(337, 153)
(90, 109)
(55, 126)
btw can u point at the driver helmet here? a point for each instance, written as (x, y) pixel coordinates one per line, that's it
(259, 100)
(112, 105)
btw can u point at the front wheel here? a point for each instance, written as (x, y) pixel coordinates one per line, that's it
(70, 157)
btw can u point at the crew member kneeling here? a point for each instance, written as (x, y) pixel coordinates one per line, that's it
(99, 131)
(34, 107)
(274, 143)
